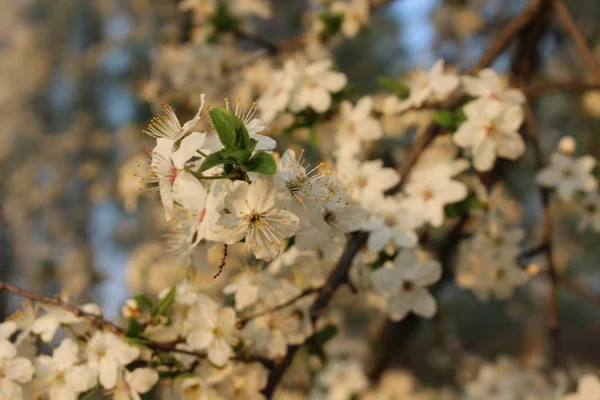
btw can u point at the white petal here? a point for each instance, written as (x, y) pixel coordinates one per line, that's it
(7, 328)
(188, 191)
(219, 352)
(108, 371)
(187, 149)
(261, 194)
(18, 369)
(385, 280)
(484, 156)
(142, 379)
(424, 303)
(333, 81)
(319, 100)
(264, 142)
(398, 307)
(65, 355)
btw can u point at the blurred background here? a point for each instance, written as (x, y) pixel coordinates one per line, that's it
(80, 80)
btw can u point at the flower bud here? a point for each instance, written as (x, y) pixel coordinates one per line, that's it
(567, 145)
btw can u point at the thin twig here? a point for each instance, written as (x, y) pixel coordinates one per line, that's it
(293, 300)
(553, 317)
(543, 87)
(223, 260)
(503, 39)
(102, 324)
(586, 53)
(96, 320)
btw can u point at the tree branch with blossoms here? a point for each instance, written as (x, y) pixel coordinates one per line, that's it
(395, 218)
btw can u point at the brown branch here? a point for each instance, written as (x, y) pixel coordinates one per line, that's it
(503, 39)
(543, 87)
(569, 24)
(553, 317)
(94, 319)
(223, 260)
(339, 275)
(102, 324)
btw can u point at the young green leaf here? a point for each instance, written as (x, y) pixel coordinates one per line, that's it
(231, 129)
(144, 302)
(133, 329)
(445, 118)
(263, 163)
(394, 86)
(165, 303)
(213, 160)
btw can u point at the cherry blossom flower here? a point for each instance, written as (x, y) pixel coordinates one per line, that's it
(13, 370)
(307, 190)
(405, 285)
(393, 223)
(213, 330)
(60, 376)
(130, 385)
(252, 215)
(316, 83)
(491, 130)
(342, 379)
(107, 355)
(357, 122)
(490, 85)
(429, 191)
(588, 388)
(355, 14)
(568, 175)
(433, 85)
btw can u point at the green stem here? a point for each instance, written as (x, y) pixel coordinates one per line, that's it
(91, 393)
(202, 153)
(207, 178)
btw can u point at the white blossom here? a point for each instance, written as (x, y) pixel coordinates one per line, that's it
(252, 215)
(405, 284)
(568, 175)
(491, 130)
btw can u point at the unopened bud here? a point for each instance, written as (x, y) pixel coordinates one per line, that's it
(131, 309)
(567, 145)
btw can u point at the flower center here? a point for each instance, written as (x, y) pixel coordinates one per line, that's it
(408, 285)
(202, 215)
(361, 181)
(499, 273)
(329, 216)
(567, 173)
(427, 195)
(294, 185)
(173, 171)
(390, 221)
(255, 217)
(490, 131)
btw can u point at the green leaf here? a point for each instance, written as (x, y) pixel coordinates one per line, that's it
(133, 329)
(231, 129)
(332, 23)
(236, 156)
(165, 303)
(263, 163)
(144, 302)
(326, 334)
(315, 346)
(463, 207)
(394, 86)
(445, 118)
(449, 119)
(213, 160)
